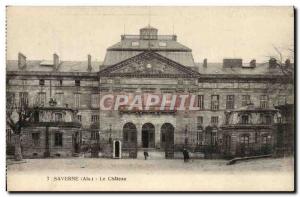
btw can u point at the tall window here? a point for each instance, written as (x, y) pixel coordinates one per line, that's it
(199, 137)
(214, 120)
(230, 102)
(245, 119)
(246, 100)
(95, 118)
(199, 122)
(58, 139)
(214, 137)
(42, 98)
(95, 135)
(266, 119)
(215, 102)
(59, 98)
(23, 98)
(95, 100)
(77, 100)
(79, 117)
(201, 101)
(264, 101)
(36, 139)
(10, 98)
(245, 141)
(8, 136)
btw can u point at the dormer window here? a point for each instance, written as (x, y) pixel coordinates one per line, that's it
(135, 43)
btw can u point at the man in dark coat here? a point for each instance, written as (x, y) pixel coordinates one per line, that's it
(146, 155)
(186, 156)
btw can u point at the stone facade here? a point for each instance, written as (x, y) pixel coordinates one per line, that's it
(152, 64)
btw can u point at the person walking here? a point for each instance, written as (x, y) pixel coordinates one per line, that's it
(146, 155)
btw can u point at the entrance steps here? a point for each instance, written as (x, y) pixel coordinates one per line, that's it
(154, 154)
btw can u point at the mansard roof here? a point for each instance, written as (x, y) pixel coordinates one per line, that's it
(45, 66)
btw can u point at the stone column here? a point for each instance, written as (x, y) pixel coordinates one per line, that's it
(139, 134)
(157, 135)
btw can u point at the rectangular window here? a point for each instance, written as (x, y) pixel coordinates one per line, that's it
(95, 100)
(95, 135)
(77, 82)
(8, 136)
(264, 102)
(42, 82)
(230, 102)
(35, 139)
(23, 98)
(245, 141)
(266, 139)
(79, 118)
(76, 100)
(10, 99)
(95, 118)
(281, 100)
(199, 122)
(245, 119)
(58, 117)
(246, 100)
(214, 120)
(199, 137)
(42, 98)
(59, 97)
(58, 139)
(60, 82)
(201, 102)
(215, 102)
(214, 137)
(266, 119)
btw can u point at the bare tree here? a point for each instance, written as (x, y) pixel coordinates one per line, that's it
(284, 63)
(17, 114)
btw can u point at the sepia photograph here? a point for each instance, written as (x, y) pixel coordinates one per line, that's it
(150, 98)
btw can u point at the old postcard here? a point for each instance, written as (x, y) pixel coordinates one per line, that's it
(150, 99)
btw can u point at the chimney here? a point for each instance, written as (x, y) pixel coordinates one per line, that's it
(205, 63)
(55, 61)
(21, 61)
(272, 63)
(89, 63)
(252, 63)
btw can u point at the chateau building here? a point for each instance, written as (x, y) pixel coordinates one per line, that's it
(234, 100)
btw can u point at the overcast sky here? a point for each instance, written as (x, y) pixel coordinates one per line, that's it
(211, 32)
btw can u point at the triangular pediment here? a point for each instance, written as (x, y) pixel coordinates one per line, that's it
(148, 64)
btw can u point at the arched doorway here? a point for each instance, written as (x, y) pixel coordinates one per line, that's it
(117, 149)
(130, 139)
(148, 135)
(167, 139)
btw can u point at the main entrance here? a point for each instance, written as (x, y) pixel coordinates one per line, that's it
(130, 139)
(167, 140)
(148, 135)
